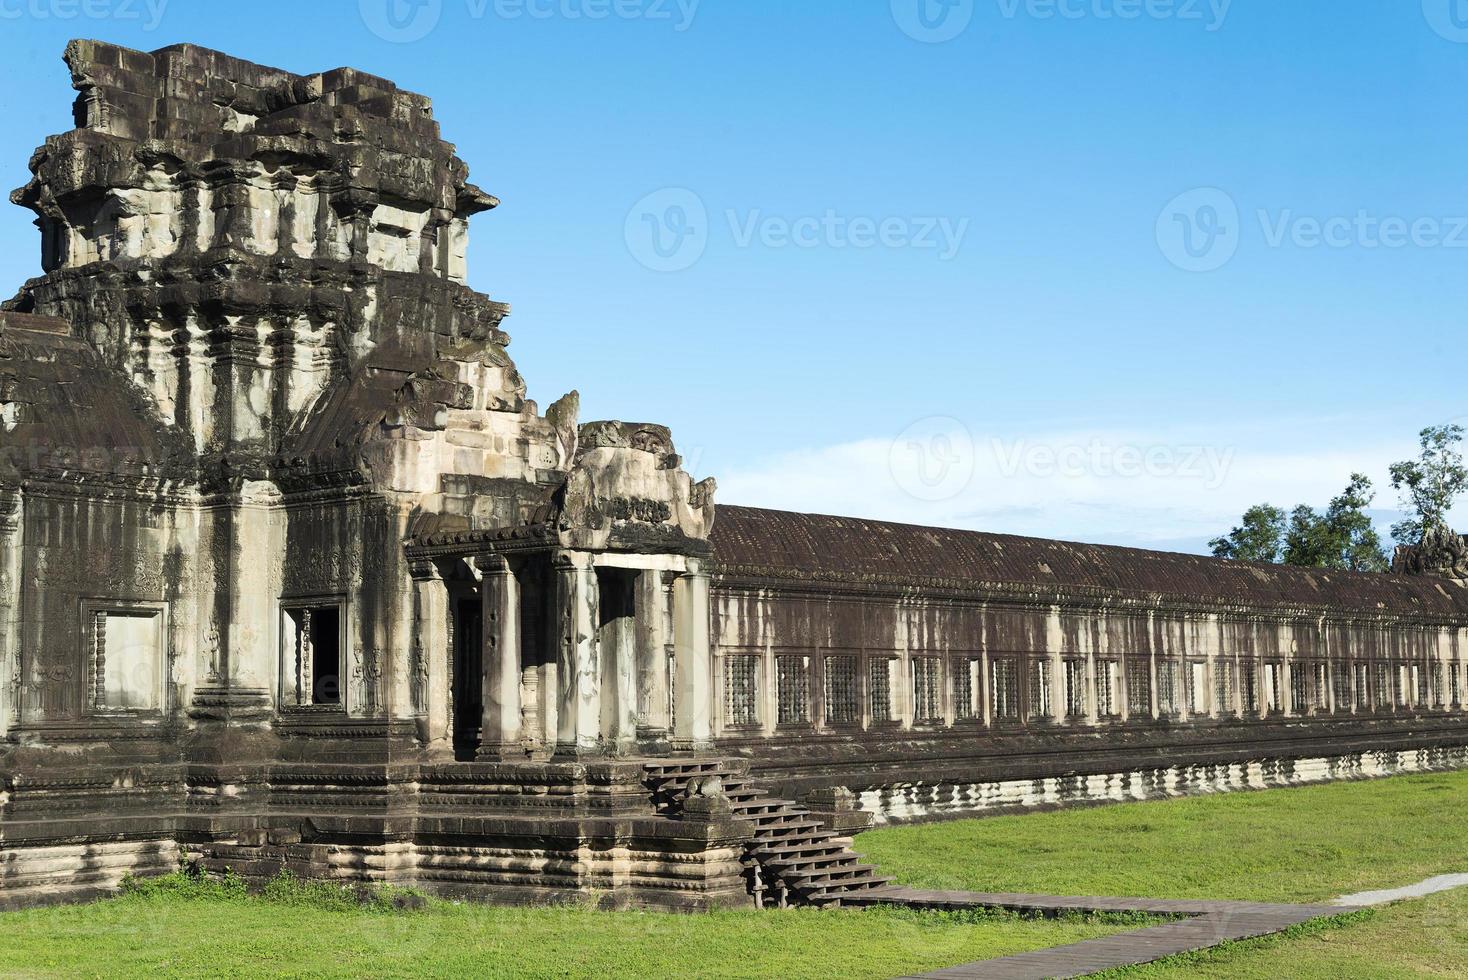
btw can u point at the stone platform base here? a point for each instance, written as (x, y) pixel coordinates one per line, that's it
(499, 832)
(913, 802)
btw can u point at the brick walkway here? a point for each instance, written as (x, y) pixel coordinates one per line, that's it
(1203, 924)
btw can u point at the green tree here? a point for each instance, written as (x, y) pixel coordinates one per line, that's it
(1343, 537)
(1430, 483)
(1256, 539)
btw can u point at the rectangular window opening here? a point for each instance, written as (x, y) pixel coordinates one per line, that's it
(315, 644)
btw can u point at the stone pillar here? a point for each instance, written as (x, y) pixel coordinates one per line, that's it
(499, 594)
(1090, 695)
(693, 685)
(10, 662)
(654, 723)
(616, 643)
(578, 696)
(241, 633)
(428, 657)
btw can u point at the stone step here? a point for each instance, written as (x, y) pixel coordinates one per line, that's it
(790, 845)
(802, 860)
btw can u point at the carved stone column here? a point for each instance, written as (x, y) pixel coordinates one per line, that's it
(693, 683)
(428, 656)
(10, 665)
(241, 650)
(499, 593)
(653, 682)
(578, 701)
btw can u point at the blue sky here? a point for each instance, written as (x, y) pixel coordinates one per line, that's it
(1108, 270)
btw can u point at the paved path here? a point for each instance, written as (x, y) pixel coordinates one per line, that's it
(1428, 886)
(1201, 924)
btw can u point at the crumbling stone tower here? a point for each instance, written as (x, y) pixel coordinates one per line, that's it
(278, 517)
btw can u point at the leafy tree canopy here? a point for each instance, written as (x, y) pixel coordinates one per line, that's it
(1430, 483)
(1342, 537)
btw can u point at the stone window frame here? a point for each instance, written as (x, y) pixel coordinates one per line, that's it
(287, 699)
(1014, 690)
(1110, 677)
(934, 664)
(1172, 697)
(970, 666)
(90, 608)
(1225, 686)
(1038, 699)
(1138, 670)
(1340, 684)
(891, 663)
(756, 659)
(1382, 684)
(1076, 696)
(855, 682)
(1361, 675)
(1273, 680)
(1251, 686)
(800, 699)
(1198, 695)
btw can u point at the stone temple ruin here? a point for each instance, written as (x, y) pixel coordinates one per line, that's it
(293, 574)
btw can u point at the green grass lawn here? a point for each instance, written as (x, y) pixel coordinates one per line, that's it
(1295, 845)
(1298, 845)
(233, 935)
(1426, 937)
(1282, 845)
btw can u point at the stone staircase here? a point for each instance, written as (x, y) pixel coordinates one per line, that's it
(793, 859)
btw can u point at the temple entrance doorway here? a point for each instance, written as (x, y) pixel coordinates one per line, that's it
(468, 677)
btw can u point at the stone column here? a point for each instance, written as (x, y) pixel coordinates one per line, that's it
(241, 632)
(693, 685)
(653, 682)
(10, 663)
(1090, 695)
(428, 657)
(616, 644)
(578, 696)
(499, 594)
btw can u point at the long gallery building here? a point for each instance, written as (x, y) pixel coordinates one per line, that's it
(293, 574)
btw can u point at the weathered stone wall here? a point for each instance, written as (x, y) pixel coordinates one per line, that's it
(838, 662)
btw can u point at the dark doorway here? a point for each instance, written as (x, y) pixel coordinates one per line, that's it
(468, 678)
(617, 643)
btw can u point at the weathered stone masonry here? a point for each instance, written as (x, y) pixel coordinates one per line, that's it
(293, 573)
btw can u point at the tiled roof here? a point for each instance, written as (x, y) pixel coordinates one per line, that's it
(843, 546)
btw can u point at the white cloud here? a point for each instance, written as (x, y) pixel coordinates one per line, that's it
(1161, 488)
